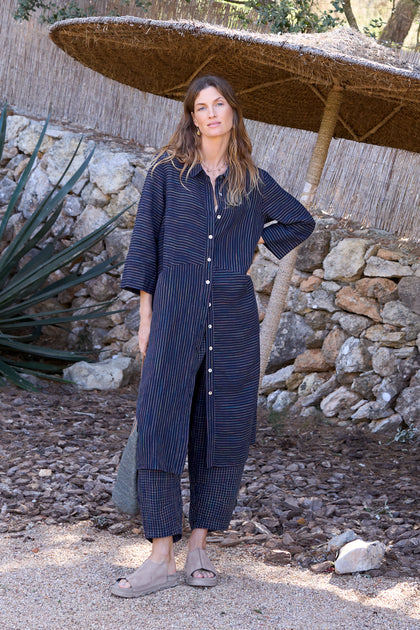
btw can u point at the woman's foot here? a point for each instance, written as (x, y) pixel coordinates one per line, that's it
(198, 540)
(199, 569)
(169, 562)
(162, 554)
(149, 578)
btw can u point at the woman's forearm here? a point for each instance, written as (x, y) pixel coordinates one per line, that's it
(145, 320)
(145, 306)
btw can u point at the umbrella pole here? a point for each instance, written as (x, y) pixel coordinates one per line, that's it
(286, 265)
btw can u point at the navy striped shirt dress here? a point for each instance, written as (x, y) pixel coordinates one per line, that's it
(193, 257)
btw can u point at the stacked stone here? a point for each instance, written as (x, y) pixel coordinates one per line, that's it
(112, 182)
(347, 347)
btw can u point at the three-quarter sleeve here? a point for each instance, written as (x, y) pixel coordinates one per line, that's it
(141, 265)
(293, 223)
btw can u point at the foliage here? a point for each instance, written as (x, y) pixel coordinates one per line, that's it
(406, 432)
(291, 16)
(374, 28)
(51, 12)
(26, 281)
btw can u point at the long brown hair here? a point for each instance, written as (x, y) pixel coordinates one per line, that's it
(185, 144)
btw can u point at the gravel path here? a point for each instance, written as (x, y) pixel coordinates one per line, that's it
(57, 576)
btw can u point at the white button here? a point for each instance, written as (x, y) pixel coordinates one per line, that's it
(220, 194)
(210, 370)
(219, 216)
(208, 259)
(210, 393)
(210, 347)
(207, 281)
(209, 325)
(210, 235)
(209, 303)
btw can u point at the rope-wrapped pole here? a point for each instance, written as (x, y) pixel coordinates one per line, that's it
(286, 265)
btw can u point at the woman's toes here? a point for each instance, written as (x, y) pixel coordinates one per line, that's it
(203, 574)
(124, 583)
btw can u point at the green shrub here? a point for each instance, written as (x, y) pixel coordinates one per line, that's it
(26, 267)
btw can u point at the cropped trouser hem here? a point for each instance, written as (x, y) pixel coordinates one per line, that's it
(212, 500)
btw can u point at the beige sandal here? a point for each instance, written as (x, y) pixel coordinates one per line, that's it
(198, 560)
(149, 578)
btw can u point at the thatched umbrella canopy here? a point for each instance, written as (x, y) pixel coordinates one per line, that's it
(339, 84)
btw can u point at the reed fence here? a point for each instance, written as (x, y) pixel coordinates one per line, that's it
(367, 184)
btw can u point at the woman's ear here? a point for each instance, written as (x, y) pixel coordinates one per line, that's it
(193, 117)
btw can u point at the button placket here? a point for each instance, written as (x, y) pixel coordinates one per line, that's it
(208, 293)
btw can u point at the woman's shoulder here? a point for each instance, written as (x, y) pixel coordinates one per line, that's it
(267, 181)
(164, 165)
(265, 176)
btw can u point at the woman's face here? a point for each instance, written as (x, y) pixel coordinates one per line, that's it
(212, 113)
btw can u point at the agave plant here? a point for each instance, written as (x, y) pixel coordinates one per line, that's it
(26, 266)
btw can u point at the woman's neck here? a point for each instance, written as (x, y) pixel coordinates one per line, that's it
(214, 151)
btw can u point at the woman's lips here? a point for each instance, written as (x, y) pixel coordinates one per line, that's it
(215, 124)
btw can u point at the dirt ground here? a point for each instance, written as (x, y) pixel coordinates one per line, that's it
(304, 482)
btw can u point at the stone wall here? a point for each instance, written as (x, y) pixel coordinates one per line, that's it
(347, 347)
(112, 182)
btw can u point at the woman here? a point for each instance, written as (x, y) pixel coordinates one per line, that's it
(201, 214)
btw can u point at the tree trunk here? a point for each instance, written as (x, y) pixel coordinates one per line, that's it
(400, 22)
(348, 12)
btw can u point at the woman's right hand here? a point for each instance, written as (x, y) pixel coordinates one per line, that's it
(144, 333)
(145, 320)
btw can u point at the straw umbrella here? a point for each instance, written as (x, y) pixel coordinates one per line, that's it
(339, 84)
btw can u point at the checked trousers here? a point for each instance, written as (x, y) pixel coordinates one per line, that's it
(213, 491)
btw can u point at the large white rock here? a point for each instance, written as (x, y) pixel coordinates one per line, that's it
(110, 171)
(110, 374)
(359, 555)
(346, 260)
